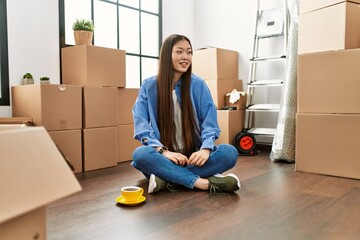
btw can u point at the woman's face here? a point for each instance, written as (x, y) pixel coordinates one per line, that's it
(181, 56)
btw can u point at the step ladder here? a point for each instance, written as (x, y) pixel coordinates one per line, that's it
(271, 23)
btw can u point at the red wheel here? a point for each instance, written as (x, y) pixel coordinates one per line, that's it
(245, 142)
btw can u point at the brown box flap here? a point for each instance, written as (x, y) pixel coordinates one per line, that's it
(33, 172)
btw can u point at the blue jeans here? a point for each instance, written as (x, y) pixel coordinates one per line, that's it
(147, 160)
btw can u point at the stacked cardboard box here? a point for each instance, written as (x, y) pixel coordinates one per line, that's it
(328, 25)
(219, 68)
(99, 127)
(56, 107)
(33, 174)
(100, 71)
(93, 66)
(328, 114)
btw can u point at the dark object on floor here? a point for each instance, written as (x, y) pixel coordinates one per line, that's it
(245, 143)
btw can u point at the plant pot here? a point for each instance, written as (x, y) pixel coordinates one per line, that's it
(27, 81)
(83, 37)
(45, 82)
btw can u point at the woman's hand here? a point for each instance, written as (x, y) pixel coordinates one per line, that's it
(176, 157)
(199, 158)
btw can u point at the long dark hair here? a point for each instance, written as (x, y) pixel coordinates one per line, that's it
(190, 129)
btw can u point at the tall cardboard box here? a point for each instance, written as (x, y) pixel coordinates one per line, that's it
(231, 122)
(328, 144)
(93, 66)
(33, 174)
(69, 143)
(329, 82)
(335, 27)
(312, 5)
(126, 144)
(220, 87)
(99, 147)
(54, 106)
(126, 100)
(99, 106)
(212, 63)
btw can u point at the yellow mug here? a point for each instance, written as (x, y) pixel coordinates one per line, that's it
(132, 193)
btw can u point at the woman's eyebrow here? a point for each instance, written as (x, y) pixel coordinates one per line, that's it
(183, 48)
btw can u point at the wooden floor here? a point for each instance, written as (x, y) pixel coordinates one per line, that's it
(275, 202)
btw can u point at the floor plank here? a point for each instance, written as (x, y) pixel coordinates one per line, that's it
(275, 202)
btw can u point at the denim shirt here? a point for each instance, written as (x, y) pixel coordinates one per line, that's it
(145, 112)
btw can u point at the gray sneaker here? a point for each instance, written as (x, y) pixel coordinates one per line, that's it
(222, 184)
(156, 184)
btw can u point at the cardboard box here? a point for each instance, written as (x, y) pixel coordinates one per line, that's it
(236, 99)
(328, 144)
(210, 63)
(126, 100)
(333, 28)
(17, 120)
(99, 106)
(231, 122)
(70, 144)
(126, 144)
(93, 66)
(220, 87)
(30, 225)
(99, 148)
(329, 82)
(312, 5)
(33, 174)
(11, 126)
(54, 106)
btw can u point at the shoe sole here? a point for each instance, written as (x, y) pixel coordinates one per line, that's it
(237, 179)
(152, 183)
(230, 175)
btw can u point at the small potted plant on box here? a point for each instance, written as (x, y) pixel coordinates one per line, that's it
(27, 79)
(44, 80)
(83, 31)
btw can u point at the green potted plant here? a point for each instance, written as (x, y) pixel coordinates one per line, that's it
(27, 79)
(44, 80)
(83, 31)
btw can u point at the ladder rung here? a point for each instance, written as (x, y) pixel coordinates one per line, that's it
(270, 35)
(264, 107)
(272, 58)
(266, 83)
(262, 131)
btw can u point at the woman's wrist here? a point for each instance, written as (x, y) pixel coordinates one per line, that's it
(207, 149)
(161, 149)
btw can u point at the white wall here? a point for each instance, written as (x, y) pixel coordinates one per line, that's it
(33, 42)
(178, 18)
(227, 24)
